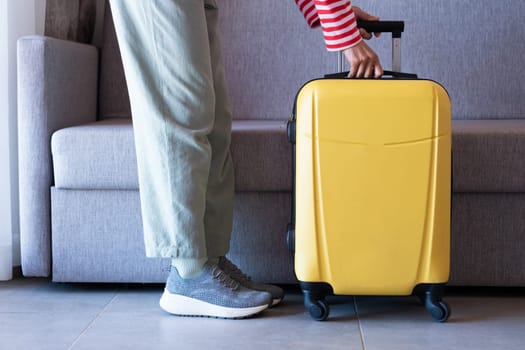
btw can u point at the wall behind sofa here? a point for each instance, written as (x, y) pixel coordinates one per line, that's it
(474, 48)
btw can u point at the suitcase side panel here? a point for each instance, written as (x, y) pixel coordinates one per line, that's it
(371, 216)
(435, 266)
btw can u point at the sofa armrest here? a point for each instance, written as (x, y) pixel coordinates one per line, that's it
(57, 88)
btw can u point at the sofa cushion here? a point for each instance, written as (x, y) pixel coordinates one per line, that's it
(489, 155)
(101, 155)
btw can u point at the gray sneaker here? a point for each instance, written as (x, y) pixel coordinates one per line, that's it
(211, 294)
(236, 274)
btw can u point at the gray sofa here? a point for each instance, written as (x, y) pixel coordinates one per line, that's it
(79, 202)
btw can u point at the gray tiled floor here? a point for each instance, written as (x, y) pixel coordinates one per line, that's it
(38, 314)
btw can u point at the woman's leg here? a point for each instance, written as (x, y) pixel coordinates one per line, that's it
(166, 56)
(165, 48)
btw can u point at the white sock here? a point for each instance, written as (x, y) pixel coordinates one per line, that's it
(188, 268)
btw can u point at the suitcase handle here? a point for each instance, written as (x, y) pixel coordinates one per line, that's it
(386, 73)
(394, 27)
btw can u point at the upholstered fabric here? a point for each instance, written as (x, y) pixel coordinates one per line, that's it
(488, 239)
(489, 155)
(469, 47)
(101, 155)
(97, 236)
(263, 79)
(259, 236)
(445, 41)
(52, 94)
(262, 156)
(98, 155)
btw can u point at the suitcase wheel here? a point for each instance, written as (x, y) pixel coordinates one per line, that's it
(318, 309)
(431, 297)
(440, 311)
(314, 299)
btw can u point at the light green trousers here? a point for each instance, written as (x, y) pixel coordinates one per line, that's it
(182, 123)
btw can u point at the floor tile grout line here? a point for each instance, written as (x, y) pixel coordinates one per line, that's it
(359, 324)
(84, 331)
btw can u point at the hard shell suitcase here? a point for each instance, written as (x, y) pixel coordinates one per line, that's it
(372, 189)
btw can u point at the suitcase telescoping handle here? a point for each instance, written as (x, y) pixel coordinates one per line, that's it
(394, 27)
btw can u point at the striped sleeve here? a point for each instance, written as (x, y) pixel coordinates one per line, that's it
(337, 21)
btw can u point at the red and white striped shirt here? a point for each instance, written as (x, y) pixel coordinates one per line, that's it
(337, 20)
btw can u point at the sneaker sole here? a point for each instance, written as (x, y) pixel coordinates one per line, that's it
(181, 305)
(276, 301)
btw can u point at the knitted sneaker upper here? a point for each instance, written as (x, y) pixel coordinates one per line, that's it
(236, 274)
(216, 287)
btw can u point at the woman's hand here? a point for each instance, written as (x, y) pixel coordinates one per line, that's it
(365, 16)
(364, 62)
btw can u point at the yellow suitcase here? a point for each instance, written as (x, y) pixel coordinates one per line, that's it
(372, 190)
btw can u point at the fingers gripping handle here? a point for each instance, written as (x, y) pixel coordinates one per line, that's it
(386, 73)
(394, 27)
